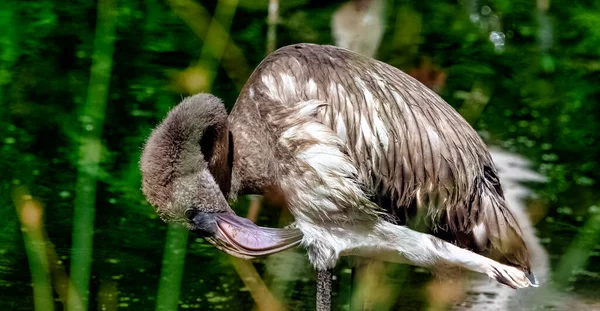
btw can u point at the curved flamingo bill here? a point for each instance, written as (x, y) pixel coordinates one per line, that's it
(242, 238)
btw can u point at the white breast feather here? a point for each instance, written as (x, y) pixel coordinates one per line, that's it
(330, 185)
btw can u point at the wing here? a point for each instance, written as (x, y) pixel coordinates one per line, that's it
(410, 148)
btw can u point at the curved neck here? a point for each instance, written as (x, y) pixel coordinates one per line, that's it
(220, 156)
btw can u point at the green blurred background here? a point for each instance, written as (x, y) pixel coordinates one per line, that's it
(82, 83)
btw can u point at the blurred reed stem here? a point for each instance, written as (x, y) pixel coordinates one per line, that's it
(108, 296)
(372, 288)
(474, 102)
(577, 255)
(172, 268)
(217, 38)
(8, 45)
(272, 21)
(262, 296)
(223, 49)
(30, 214)
(92, 120)
(44, 263)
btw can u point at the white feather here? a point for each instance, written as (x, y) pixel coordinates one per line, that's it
(311, 88)
(269, 81)
(381, 131)
(340, 128)
(289, 87)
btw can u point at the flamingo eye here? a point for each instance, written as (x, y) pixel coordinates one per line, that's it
(190, 213)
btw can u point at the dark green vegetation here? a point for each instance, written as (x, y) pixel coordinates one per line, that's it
(79, 94)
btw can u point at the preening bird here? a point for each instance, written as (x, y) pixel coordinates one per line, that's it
(360, 152)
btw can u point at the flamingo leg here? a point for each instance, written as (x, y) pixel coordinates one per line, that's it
(400, 244)
(324, 277)
(392, 243)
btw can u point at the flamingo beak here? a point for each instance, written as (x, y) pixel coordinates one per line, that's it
(241, 238)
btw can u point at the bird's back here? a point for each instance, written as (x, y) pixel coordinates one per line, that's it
(415, 155)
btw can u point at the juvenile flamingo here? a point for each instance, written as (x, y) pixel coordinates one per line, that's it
(361, 153)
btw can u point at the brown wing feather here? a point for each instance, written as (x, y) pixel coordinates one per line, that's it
(410, 147)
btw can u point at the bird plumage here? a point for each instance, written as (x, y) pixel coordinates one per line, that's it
(180, 147)
(404, 147)
(357, 151)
